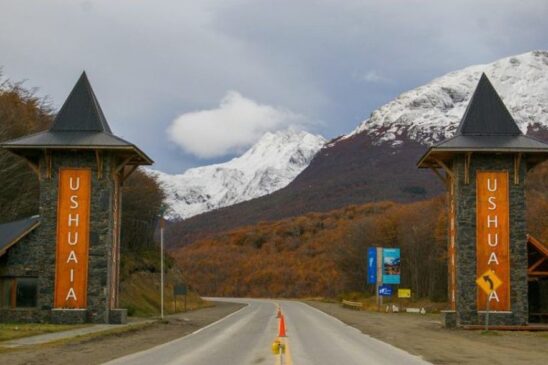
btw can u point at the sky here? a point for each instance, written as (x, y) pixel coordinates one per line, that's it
(198, 82)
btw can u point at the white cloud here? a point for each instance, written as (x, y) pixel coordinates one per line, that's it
(372, 76)
(236, 124)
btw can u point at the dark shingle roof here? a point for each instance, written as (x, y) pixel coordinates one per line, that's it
(80, 124)
(486, 114)
(81, 111)
(486, 126)
(12, 232)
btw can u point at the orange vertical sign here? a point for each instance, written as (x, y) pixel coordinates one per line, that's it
(72, 238)
(492, 236)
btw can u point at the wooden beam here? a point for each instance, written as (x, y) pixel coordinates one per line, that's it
(442, 178)
(48, 159)
(536, 264)
(121, 166)
(539, 246)
(129, 172)
(539, 273)
(34, 167)
(99, 158)
(517, 163)
(446, 168)
(467, 159)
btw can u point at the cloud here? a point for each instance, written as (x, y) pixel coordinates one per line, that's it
(236, 124)
(374, 77)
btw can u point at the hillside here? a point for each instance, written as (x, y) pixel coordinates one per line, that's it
(377, 160)
(318, 254)
(323, 254)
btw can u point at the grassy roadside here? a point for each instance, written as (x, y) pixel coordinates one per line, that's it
(423, 335)
(140, 285)
(116, 331)
(370, 302)
(12, 331)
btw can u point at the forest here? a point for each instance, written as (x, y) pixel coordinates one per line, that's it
(324, 254)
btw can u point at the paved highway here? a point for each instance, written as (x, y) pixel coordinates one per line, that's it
(245, 337)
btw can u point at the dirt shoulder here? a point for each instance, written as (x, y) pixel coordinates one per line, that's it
(424, 336)
(99, 349)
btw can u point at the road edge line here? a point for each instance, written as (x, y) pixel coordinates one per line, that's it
(135, 354)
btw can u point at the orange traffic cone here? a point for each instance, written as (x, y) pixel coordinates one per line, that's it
(282, 327)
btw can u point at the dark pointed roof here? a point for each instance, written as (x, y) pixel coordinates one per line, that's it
(486, 114)
(486, 126)
(81, 111)
(80, 124)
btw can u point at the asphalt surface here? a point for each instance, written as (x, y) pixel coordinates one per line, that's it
(245, 337)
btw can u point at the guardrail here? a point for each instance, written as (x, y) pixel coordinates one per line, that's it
(354, 305)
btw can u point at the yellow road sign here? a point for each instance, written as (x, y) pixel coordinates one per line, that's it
(404, 293)
(488, 281)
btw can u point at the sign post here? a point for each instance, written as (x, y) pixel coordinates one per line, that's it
(379, 278)
(180, 289)
(489, 282)
(162, 267)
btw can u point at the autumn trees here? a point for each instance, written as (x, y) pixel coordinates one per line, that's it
(324, 254)
(320, 254)
(21, 113)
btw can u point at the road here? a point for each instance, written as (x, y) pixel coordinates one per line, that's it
(245, 337)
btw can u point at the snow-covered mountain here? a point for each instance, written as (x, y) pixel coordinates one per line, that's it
(377, 161)
(272, 163)
(432, 112)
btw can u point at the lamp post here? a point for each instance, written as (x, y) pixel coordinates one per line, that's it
(162, 226)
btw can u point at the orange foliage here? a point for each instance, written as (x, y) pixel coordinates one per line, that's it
(324, 254)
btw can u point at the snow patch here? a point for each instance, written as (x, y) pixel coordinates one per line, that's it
(269, 165)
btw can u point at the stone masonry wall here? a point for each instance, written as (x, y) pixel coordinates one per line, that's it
(466, 241)
(35, 254)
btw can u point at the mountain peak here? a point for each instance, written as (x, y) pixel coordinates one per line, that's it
(432, 112)
(269, 165)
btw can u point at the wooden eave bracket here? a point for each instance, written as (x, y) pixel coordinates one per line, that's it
(467, 161)
(48, 160)
(517, 165)
(448, 171)
(127, 173)
(442, 178)
(100, 162)
(120, 170)
(35, 167)
(531, 270)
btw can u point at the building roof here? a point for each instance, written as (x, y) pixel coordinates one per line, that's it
(81, 111)
(80, 124)
(486, 114)
(486, 126)
(12, 232)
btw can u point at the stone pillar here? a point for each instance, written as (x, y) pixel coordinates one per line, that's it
(466, 255)
(101, 233)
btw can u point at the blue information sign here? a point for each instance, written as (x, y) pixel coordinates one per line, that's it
(372, 265)
(385, 291)
(391, 265)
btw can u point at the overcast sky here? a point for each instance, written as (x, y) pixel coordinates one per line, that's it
(195, 82)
